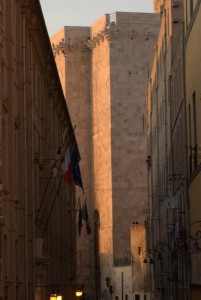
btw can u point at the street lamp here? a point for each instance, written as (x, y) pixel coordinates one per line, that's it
(78, 293)
(55, 297)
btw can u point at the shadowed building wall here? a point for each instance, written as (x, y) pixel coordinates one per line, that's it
(35, 226)
(167, 151)
(193, 108)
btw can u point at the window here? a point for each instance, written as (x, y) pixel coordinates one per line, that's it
(137, 297)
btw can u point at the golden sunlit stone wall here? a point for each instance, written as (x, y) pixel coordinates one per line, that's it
(101, 113)
(73, 59)
(158, 5)
(132, 46)
(59, 39)
(193, 107)
(141, 277)
(106, 74)
(120, 64)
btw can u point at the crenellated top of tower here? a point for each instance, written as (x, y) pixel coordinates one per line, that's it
(110, 28)
(158, 5)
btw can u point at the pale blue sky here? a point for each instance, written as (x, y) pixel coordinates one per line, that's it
(59, 13)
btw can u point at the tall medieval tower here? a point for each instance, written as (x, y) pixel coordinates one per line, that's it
(158, 4)
(104, 71)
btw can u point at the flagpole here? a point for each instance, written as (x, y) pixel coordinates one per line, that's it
(50, 176)
(46, 206)
(43, 198)
(52, 207)
(76, 229)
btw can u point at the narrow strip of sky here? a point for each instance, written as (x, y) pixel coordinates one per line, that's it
(60, 13)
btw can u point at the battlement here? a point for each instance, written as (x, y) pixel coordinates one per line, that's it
(129, 26)
(158, 5)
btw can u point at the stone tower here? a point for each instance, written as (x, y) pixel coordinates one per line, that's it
(158, 4)
(104, 71)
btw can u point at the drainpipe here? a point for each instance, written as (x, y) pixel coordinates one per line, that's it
(167, 122)
(122, 285)
(1, 244)
(166, 116)
(186, 172)
(150, 190)
(32, 169)
(25, 158)
(1, 202)
(156, 203)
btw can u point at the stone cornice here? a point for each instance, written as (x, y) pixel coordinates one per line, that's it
(109, 33)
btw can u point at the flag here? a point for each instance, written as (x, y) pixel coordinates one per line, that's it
(75, 168)
(80, 220)
(56, 163)
(66, 168)
(85, 217)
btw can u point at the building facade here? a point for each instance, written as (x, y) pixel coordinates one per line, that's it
(167, 157)
(104, 71)
(192, 75)
(36, 231)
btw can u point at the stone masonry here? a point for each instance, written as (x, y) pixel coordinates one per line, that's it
(158, 4)
(104, 71)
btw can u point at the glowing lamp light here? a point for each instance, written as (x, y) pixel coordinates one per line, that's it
(78, 293)
(56, 297)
